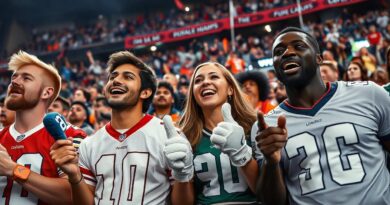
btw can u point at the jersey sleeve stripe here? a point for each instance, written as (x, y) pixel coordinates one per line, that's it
(89, 179)
(87, 172)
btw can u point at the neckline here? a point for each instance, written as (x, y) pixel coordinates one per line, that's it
(313, 110)
(121, 137)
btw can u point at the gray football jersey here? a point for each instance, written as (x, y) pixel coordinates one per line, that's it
(333, 153)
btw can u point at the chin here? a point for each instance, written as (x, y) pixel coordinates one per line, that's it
(210, 105)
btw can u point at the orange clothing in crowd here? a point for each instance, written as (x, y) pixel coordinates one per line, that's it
(236, 65)
(265, 106)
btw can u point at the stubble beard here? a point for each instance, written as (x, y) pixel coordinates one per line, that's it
(128, 102)
(21, 103)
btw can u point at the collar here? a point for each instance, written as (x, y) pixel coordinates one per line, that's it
(312, 111)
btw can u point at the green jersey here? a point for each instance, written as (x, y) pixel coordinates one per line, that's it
(387, 87)
(216, 180)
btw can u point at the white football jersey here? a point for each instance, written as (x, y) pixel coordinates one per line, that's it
(333, 154)
(127, 168)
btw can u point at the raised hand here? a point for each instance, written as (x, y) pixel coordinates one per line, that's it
(178, 153)
(65, 156)
(229, 137)
(271, 140)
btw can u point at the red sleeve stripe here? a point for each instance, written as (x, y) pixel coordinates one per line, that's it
(89, 179)
(87, 172)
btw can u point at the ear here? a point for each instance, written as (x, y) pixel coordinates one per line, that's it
(145, 94)
(230, 90)
(319, 59)
(47, 93)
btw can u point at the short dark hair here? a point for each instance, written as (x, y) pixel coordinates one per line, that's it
(312, 40)
(85, 107)
(147, 75)
(166, 85)
(64, 102)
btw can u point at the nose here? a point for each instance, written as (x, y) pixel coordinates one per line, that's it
(290, 51)
(206, 82)
(116, 82)
(15, 81)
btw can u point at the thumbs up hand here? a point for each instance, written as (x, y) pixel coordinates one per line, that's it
(229, 137)
(271, 140)
(178, 153)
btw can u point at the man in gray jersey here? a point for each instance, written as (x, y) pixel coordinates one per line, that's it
(325, 144)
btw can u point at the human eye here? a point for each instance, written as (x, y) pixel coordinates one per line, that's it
(197, 80)
(300, 45)
(112, 76)
(26, 78)
(214, 77)
(129, 77)
(278, 51)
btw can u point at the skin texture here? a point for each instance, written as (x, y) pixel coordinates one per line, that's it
(28, 95)
(126, 112)
(304, 87)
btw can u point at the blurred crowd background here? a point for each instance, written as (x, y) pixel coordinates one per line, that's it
(354, 39)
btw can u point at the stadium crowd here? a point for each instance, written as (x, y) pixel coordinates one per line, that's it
(226, 147)
(108, 31)
(335, 37)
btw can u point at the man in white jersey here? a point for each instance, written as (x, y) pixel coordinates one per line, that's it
(123, 162)
(326, 143)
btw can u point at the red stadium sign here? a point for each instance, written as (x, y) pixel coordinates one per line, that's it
(241, 21)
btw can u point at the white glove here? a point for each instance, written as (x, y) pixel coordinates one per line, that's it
(229, 137)
(178, 153)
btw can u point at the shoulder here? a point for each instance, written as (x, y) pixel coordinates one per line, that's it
(355, 85)
(73, 131)
(153, 128)
(387, 87)
(95, 138)
(3, 131)
(153, 125)
(359, 89)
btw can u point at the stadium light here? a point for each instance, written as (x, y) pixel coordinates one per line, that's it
(187, 9)
(268, 28)
(153, 48)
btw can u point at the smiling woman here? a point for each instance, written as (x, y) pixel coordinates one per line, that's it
(230, 175)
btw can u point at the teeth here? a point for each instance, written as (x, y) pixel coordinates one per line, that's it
(117, 90)
(288, 64)
(207, 92)
(291, 65)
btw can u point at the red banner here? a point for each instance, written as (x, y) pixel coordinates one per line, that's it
(245, 20)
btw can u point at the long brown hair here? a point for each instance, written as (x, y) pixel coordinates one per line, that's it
(363, 71)
(192, 121)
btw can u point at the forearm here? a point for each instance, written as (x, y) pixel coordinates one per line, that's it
(270, 187)
(49, 190)
(183, 193)
(251, 173)
(82, 193)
